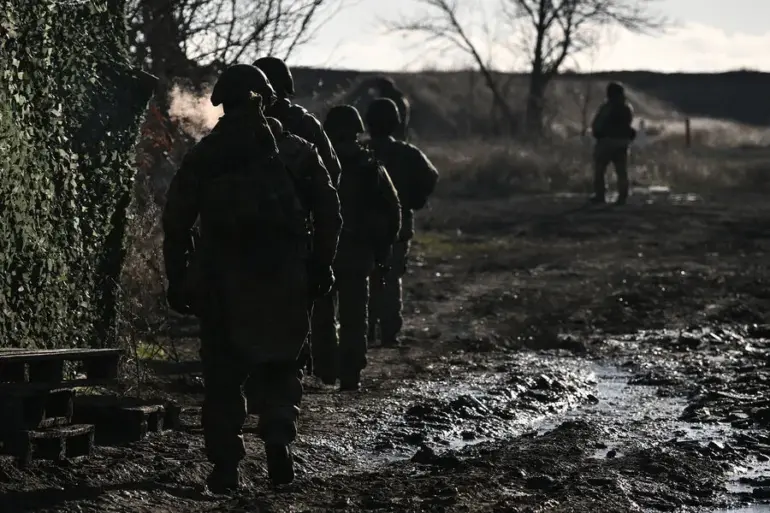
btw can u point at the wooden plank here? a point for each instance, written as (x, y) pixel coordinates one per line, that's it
(55, 354)
(35, 411)
(120, 419)
(54, 444)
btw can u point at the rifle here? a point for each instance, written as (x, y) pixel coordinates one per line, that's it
(193, 280)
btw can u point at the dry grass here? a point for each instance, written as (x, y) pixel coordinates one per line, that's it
(484, 168)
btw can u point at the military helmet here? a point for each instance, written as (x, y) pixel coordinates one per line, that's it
(278, 73)
(344, 119)
(236, 82)
(383, 114)
(384, 83)
(615, 90)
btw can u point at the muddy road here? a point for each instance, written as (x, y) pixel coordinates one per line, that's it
(558, 358)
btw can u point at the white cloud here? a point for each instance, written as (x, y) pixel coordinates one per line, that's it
(690, 47)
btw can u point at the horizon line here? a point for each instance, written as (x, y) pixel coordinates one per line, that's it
(565, 72)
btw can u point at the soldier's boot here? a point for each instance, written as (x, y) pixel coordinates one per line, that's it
(390, 331)
(600, 169)
(224, 479)
(350, 381)
(328, 376)
(598, 200)
(280, 463)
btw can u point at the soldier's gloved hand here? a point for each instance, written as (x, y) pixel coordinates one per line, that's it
(321, 280)
(177, 299)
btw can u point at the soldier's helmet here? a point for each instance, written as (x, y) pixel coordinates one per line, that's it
(344, 120)
(615, 90)
(382, 115)
(384, 84)
(278, 73)
(236, 84)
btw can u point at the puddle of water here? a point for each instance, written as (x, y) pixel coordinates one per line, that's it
(755, 471)
(623, 405)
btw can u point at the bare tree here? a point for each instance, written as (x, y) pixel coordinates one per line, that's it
(582, 86)
(558, 29)
(443, 25)
(551, 30)
(175, 37)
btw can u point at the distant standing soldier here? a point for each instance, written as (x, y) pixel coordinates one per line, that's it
(371, 221)
(253, 281)
(387, 89)
(613, 133)
(295, 118)
(415, 178)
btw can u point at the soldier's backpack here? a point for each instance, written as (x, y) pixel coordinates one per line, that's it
(368, 215)
(252, 201)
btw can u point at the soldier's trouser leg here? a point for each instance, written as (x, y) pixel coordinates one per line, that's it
(280, 405)
(353, 295)
(323, 338)
(620, 163)
(601, 161)
(373, 310)
(390, 300)
(224, 407)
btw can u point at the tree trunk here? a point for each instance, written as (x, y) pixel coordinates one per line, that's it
(538, 83)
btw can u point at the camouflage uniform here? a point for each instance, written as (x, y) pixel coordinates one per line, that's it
(294, 118)
(613, 133)
(415, 178)
(251, 295)
(371, 216)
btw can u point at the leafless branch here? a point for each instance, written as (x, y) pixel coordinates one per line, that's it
(442, 23)
(225, 31)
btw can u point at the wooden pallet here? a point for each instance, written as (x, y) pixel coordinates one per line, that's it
(35, 411)
(122, 419)
(23, 371)
(57, 444)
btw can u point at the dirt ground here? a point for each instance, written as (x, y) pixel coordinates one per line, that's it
(558, 358)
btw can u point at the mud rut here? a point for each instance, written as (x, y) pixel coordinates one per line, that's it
(558, 358)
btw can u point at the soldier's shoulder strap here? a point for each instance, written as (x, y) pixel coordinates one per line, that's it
(295, 119)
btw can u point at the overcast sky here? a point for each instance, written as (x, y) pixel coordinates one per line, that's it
(710, 35)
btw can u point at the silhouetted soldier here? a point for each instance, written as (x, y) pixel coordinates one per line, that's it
(295, 118)
(371, 221)
(414, 177)
(254, 281)
(613, 133)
